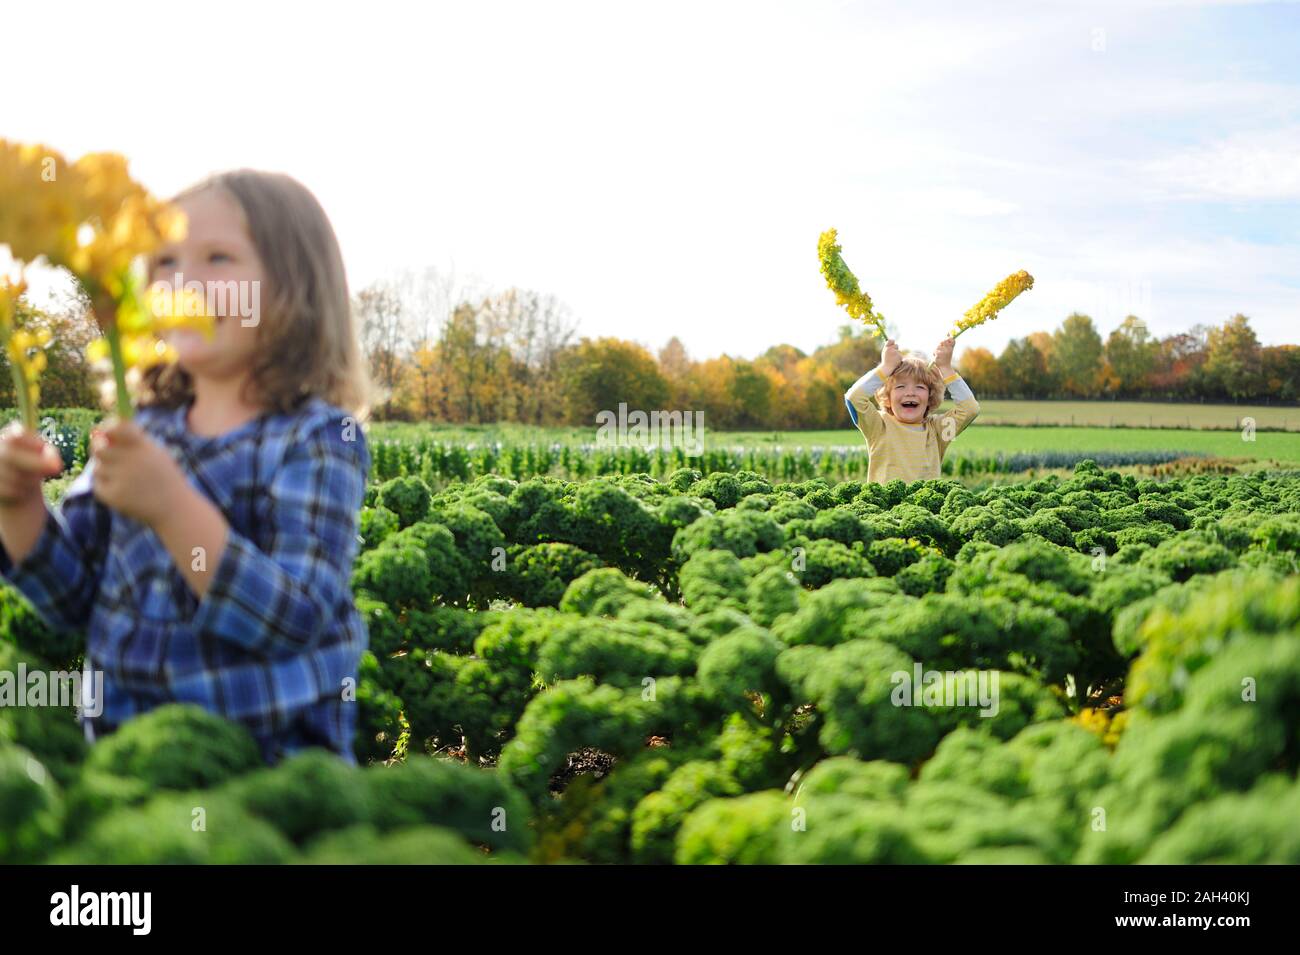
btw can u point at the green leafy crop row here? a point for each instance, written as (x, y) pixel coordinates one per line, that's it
(728, 653)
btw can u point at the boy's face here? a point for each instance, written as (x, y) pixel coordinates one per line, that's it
(909, 400)
(217, 252)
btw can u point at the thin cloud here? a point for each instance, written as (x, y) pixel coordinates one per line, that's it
(1261, 165)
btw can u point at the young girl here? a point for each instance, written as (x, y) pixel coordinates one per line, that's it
(207, 547)
(905, 441)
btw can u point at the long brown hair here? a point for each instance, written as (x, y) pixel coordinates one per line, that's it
(307, 341)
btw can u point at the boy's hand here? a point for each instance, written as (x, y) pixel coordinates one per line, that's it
(134, 474)
(25, 460)
(943, 356)
(890, 359)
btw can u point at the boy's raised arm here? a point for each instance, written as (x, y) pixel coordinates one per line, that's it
(860, 398)
(965, 407)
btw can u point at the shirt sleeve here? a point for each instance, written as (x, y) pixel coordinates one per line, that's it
(965, 410)
(60, 575)
(860, 400)
(282, 600)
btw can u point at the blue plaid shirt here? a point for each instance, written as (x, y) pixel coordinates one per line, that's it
(274, 643)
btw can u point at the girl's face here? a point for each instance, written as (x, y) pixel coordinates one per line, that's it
(217, 252)
(909, 400)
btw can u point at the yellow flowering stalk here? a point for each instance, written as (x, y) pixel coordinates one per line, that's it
(25, 350)
(93, 219)
(841, 280)
(135, 340)
(120, 223)
(40, 207)
(995, 301)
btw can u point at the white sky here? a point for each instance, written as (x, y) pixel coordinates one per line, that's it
(666, 168)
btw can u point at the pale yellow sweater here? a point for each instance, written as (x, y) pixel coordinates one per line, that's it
(903, 451)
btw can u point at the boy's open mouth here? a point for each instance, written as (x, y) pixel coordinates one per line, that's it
(909, 403)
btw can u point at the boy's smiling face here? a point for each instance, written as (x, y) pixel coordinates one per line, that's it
(909, 400)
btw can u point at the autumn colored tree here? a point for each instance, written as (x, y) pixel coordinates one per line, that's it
(674, 362)
(783, 359)
(806, 392)
(712, 390)
(384, 327)
(1075, 359)
(601, 373)
(535, 330)
(1024, 369)
(1176, 367)
(1131, 354)
(1046, 346)
(421, 393)
(466, 362)
(818, 400)
(675, 365)
(982, 372)
(1233, 362)
(1108, 382)
(852, 355)
(754, 388)
(1281, 371)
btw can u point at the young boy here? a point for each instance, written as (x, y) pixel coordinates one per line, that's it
(905, 440)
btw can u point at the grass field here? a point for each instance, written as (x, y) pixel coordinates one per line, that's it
(985, 437)
(1267, 446)
(1138, 414)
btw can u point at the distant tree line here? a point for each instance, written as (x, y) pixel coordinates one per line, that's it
(1219, 363)
(441, 352)
(440, 349)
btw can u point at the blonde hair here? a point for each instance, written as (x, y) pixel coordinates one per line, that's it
(912, 368)
(307, 340)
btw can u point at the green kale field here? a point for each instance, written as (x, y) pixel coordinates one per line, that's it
(1093, 667)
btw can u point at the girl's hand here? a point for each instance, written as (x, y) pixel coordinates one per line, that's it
(25, 460)
(134, 474)
(943, 356)
(889, 361)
